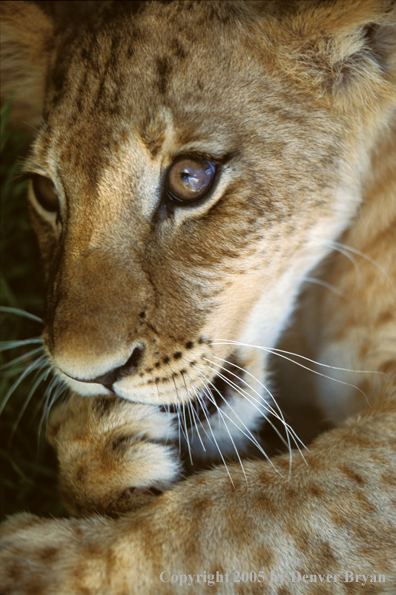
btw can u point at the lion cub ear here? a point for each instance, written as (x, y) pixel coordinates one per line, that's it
(344, 47)
(27, 37)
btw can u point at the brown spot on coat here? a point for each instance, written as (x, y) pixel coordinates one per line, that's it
(48, 554)
(268, 504)
(164, 69)
(388, 367)
(265, 556)
(327, 556)
(315, 491)
(352, 474)
(81, 473)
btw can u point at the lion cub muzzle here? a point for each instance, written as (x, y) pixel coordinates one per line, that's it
(109, 378)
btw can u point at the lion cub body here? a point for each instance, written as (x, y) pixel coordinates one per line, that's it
(175, 304)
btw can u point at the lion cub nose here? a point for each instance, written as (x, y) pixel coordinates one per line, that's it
(129, 368)
(109, 378)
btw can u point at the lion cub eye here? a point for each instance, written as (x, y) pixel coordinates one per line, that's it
(189, 179)
(45, 193)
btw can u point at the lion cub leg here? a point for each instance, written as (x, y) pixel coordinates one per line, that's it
(113, 455)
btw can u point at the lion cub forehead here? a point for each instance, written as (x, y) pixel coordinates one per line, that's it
(112, 71)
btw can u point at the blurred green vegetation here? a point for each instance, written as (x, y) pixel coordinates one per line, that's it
(27, 463)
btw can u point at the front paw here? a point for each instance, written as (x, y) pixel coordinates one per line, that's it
(114, 455)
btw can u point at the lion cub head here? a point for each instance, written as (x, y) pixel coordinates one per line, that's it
(193, 162)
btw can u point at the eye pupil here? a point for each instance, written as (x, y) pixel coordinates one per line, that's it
(45, 193)
(189, 179)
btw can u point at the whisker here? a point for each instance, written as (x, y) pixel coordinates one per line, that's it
(59, 387)
(329, 286)
(33, 366)
(178, 417)
(196, 417)
(278, 352)
(326, 376)
(182, 423)
(211, 398)
(59, 390)
(248, 398)
(191, 434)
(221, 414)
(339, 246)
(215, 441)
(263, 402)
(38, 381)
(167, 410)
(192, 419)
(185, 433)
(275, 351)
(46, 398)
(21, 358)
(179, 427)
(6, 345)
(266, 405)
(20, 312)
(249, 435)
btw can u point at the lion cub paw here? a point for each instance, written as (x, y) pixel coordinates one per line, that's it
(114, 455)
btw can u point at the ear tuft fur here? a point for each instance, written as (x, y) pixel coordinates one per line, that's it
(334, 46)
(27, 38)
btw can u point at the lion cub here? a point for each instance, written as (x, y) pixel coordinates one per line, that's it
(113, 455)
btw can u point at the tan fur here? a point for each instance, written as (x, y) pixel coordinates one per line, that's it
(298, 100)
(111, 454)
(24, 64)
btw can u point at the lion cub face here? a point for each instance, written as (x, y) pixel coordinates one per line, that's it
(188, 173)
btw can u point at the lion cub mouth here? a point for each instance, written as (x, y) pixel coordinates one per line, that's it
(208, 403)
